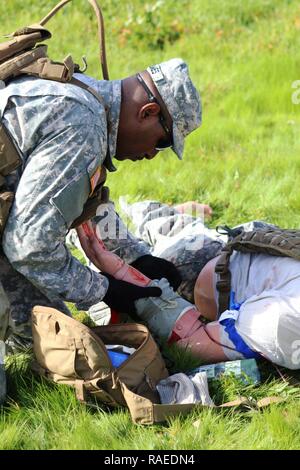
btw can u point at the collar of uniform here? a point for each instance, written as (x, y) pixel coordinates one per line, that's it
(110, 90)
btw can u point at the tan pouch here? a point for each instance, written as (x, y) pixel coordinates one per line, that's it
(10, 158)
(6, 200)
(71, 353)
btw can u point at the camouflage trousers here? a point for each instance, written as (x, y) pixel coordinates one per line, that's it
(17, 298)
(162, 231)
(182, 238)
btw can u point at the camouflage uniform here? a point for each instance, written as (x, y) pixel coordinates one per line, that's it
(115, 234)
(61, 131)
(180, 238)
(162, 231)
(64, 134)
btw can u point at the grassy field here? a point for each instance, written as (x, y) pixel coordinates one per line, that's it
(244, 161)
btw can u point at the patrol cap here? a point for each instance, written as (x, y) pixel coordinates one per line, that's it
(181, 98)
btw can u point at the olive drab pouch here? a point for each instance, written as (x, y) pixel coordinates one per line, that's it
(271, 241)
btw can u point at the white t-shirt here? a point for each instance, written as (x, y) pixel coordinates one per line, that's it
(268, 287)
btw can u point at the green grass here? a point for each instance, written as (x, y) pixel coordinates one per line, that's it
(244, 161)
(47, 416)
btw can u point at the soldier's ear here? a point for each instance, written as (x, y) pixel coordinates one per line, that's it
(148, 110)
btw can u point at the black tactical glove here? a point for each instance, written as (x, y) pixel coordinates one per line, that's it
(121, 295)
(157, 268)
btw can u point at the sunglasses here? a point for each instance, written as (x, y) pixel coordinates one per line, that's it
(163, 144)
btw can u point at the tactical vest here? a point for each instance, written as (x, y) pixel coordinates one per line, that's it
(22, 56)
(273, 242)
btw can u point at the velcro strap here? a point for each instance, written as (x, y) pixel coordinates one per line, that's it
(46, 69)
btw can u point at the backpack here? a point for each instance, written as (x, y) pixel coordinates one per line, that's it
(271, 241)
(68, 352)
(23, 55)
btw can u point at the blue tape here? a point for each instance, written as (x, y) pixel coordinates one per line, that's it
(233, 305)
(237, 340)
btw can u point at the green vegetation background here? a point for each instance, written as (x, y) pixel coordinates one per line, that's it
(244, 161)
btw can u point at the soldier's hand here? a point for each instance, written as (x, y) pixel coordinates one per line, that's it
(121, 295)
(157, 268)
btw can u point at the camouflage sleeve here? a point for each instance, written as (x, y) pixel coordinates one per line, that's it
(51, 193)
(116, 235)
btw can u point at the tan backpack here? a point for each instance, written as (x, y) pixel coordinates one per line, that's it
(69, 352)
(23, 54)
(270, 241)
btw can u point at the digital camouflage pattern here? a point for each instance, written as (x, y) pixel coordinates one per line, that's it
(181, 98)
(61, 131)
(162, 231)
(115, 234)
(180, 238)
(21, 296)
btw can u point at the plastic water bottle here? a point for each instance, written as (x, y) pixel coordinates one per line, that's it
(2, 373)
(245, 369)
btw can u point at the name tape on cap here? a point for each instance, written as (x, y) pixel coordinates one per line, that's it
(156, 73)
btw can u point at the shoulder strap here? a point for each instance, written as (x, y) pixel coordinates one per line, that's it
(49, 70)
(100, 196)
(83, 85)
(224, 282)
